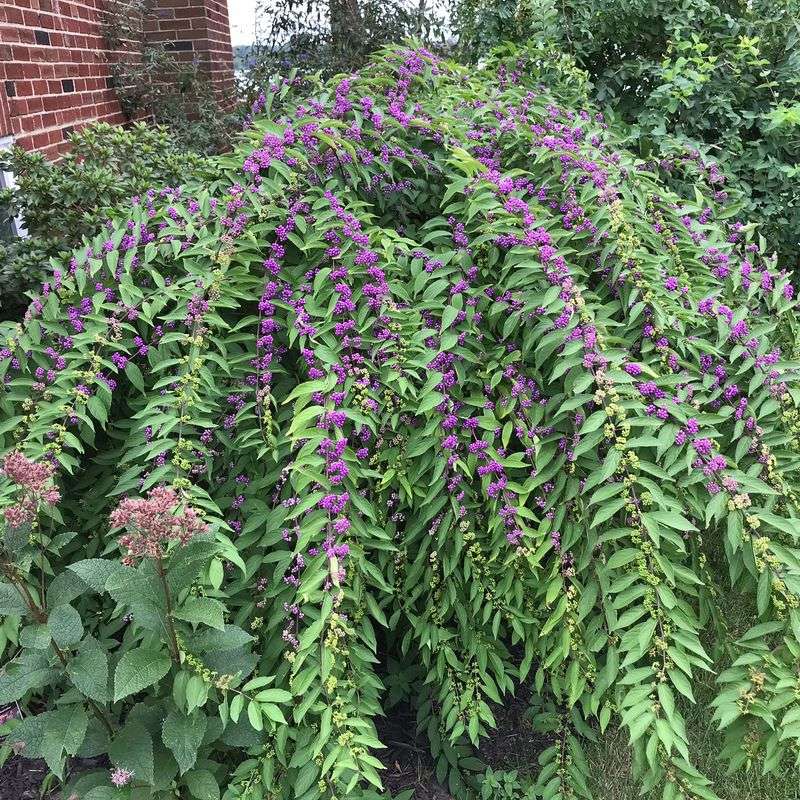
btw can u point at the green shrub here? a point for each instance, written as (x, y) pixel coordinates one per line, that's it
(154, 82)
(62, 202)
(504, 785)
(441, 390)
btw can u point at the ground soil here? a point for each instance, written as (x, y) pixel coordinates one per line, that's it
(20, 778)
(514, 745)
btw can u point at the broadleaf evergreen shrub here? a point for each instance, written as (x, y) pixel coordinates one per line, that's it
(60, 203)
(440, 391)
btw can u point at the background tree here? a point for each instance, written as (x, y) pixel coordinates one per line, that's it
(709, 88)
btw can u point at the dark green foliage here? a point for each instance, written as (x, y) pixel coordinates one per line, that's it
(62, 202)
(712, 81)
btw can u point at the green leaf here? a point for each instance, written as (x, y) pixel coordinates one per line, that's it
(429, 402)
(254, 715)
(30, 733)
(202, 784)
(96, 571)
(640, 725)
(183, 735)
(11, 601)
(66, 728)
(35, 637)
(623, 557)
(103, 793)
(88, 670)
(274, 696)
(763, 592)
(236, 707)
(203, 610)
(274, 713)
(672, 520)
(19, 678)
(681, 683)
(449, 316)
(608, 510)
(132, 749)
(134, 375)
(138, 669)
(211, 641)
(65, 625)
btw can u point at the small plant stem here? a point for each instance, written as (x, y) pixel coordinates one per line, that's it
(24, 592)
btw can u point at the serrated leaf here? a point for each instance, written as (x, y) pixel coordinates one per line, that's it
(138, 669)
(132, 749)
(202, 610)
(88, 670)
(65, 625)
(66, 728)
(96, 571)
(183, 735)
(11, 601)
(202, 784)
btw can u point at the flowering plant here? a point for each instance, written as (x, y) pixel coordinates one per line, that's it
(710, 89)
(440, 389)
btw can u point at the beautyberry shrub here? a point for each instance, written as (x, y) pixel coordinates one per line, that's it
(438, 393)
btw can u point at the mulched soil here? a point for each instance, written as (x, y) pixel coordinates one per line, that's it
(20, 778)
(407, 758)
(514, 745)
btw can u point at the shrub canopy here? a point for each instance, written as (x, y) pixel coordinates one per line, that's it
(439, 392)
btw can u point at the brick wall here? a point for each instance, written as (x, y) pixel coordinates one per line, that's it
(198, 30)
(55, 73)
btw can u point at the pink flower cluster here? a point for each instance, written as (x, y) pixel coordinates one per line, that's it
(35, 482)
(121, 777)
(152, 522)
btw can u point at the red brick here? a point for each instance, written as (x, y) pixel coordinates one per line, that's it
(77, 50)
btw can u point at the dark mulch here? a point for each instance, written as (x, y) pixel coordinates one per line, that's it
(514, 745)
(20, 778)
(407, 758)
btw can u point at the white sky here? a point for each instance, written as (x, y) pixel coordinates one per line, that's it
(242, 15)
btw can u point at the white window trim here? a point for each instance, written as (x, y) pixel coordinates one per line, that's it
(7, 182)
